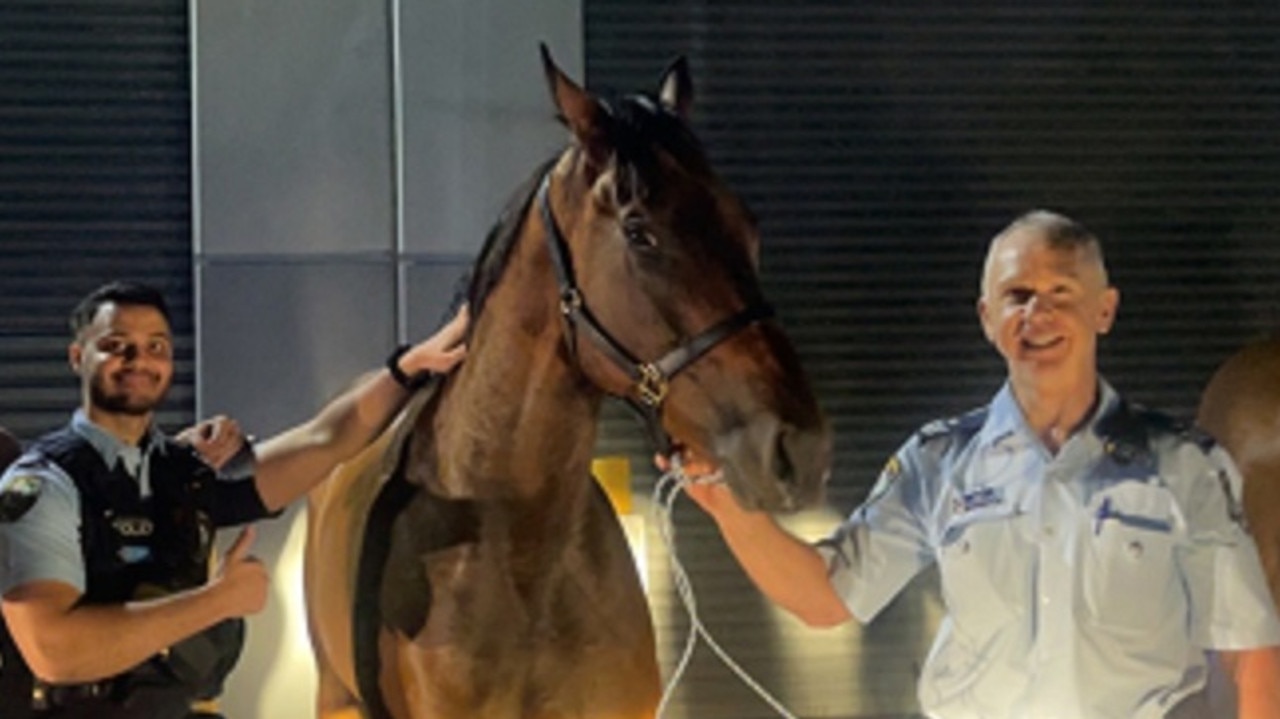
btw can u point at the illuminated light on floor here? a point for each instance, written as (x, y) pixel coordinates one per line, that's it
(613, 473)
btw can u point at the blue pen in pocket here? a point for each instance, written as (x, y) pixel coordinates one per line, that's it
(1105, 512)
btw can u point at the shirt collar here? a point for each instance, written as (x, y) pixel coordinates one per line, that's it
(1005, 421)
(111, 449)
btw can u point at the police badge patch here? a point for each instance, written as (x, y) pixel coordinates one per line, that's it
(18, 495)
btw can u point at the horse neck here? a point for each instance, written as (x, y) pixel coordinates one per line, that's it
(519, 419)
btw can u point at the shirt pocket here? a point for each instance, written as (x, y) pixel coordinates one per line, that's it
(982, 561)
(1130, 578)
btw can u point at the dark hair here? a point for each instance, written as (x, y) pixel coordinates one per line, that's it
(121, 293)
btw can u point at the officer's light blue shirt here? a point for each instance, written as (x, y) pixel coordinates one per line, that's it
(1082, 585)
(44, 544)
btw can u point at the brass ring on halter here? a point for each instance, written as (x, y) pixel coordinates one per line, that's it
(652, 385)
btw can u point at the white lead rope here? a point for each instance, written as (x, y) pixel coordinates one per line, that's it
(665, 492)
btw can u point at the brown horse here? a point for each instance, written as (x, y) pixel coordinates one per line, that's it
(1240, 407)
(466, 566)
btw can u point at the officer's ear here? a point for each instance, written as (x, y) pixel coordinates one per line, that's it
(75, 355)
(1108, 306)
(988, 329)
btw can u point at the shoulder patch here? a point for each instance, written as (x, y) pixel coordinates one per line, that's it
(18, 494)
(892, 469)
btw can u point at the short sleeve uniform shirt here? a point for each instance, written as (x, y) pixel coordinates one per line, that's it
(1081, 585)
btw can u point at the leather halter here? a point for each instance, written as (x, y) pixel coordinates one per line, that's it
(650, 380)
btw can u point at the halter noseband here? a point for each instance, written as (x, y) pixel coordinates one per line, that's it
(650, 380)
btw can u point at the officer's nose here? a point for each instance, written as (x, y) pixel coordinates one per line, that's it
(129, 352)
(1040, 306)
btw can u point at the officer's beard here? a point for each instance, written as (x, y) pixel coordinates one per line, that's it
(122, 402)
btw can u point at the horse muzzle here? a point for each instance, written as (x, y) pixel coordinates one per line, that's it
(774, 466)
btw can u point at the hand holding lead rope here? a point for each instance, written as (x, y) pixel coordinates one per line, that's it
(704, 482)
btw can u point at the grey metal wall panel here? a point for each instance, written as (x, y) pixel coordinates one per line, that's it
(477, 116)
(278, 339)
(430, 290)
(293, 127)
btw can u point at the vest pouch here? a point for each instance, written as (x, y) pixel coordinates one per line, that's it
(150, 696)
(202, 662)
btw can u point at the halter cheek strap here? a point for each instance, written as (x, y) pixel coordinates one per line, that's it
(649, 380)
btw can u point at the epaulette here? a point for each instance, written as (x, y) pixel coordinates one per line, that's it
(960, 427)
(1161, 423)
(1129, 431)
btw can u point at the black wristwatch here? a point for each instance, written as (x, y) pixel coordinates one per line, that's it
(409, 382)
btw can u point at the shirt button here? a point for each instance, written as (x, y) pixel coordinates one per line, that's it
(1135, 549)
(1049, 531)
(1045, 600)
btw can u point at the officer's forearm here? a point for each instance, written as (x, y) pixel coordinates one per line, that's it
(64, 642)
(1257, 676)
(789, 571)
(290, 464)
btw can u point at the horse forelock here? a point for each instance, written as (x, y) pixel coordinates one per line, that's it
(640, 125)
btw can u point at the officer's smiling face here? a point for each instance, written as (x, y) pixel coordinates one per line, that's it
(1043, 308)
(126, 356)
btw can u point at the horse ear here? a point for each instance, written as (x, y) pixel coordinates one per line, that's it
(676, 89)
(576, 107)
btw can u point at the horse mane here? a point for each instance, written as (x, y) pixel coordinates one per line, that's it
(495, 252)
(637, 126)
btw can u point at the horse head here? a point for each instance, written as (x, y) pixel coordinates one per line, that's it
(657, 264)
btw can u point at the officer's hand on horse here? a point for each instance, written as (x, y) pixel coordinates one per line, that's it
(216, 439)
(242, 578)
(440, 352)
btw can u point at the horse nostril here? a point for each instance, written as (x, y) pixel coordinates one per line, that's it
(783, 466)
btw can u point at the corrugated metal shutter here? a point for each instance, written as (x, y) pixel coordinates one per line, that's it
(94, 185)
(882, 145)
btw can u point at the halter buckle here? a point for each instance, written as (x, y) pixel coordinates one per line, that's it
(570, 302)
(652, 385)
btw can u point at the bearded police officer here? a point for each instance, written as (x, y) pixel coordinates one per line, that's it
(106, 526)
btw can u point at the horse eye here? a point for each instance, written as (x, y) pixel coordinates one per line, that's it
(637, 235)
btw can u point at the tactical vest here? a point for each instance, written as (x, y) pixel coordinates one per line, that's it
(138, 548)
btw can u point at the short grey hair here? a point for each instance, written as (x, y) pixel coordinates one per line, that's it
(1060, 231)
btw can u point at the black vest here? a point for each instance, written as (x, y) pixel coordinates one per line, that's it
(139, 548)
